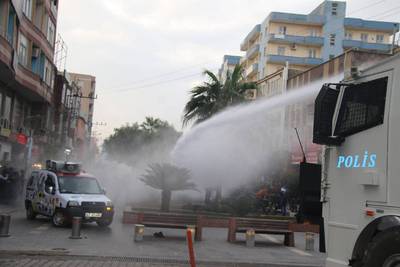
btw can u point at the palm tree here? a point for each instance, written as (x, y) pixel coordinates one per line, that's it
(167, 178)
(213, 96)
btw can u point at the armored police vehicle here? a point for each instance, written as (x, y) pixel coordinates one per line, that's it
(358, 121)
(62, 191)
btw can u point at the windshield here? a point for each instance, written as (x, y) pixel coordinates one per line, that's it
(78, 185)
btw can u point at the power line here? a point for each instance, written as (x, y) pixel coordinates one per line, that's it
(158, 76)
(383, 14)
(158, 83)
(366, 7)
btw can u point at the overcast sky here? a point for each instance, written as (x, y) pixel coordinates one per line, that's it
(146, 55)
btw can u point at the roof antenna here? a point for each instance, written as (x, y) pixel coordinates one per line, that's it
(301, 146)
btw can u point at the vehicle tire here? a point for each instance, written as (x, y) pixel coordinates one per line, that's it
(30, 213)
(384, 249)
(59, 219)
(104, 223)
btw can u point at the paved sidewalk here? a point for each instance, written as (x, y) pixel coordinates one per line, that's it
(79, 261)
(116, 242)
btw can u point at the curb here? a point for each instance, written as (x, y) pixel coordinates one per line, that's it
(65, 256)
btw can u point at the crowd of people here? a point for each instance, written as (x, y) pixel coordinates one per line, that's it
(275, 199)
(11, 184)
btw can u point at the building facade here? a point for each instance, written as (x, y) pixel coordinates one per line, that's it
(228, 65)
(84, 116)
(68, 104)
(303, 41)
(27, 40)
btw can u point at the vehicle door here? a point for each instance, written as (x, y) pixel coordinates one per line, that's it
(49, 199)
(38, 203)
(31, 187)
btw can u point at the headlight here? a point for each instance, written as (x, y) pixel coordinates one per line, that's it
(109, 204)
(73, 203)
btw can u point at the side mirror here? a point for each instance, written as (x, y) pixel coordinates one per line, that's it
(103, 191)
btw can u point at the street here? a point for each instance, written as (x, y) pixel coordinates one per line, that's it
(38, 241)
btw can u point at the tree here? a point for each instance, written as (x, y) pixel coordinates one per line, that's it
(213, 96)
(167, 178)
(131, 142)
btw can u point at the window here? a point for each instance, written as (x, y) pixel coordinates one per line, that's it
(7, 108)
(27, 8)
(54, 4)
(332, 38)
(23, 50)
(362, 107)
(379, 38)
(312, 53)
(348, 36)
(51, 29)
(49, 185)
(2, 15)
(334, 9)
(31, 180)
(78, 185)
(48, 72)
(313, 32)
(364, 37)
(281, 50)
(282, 30)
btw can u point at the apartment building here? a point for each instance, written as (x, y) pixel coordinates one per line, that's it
(27, 40)
(67, 104)
(228, 65)
(303, 41)
(84, 117)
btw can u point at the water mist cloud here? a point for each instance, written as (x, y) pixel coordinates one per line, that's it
(242, 142)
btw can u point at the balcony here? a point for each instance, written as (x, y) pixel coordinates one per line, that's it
(310, 19)
(6, 51)
(253, 69)
(294, 60)
(252, 36)
(37, 36)
(366, 46)
(37, 89)
(371, 25)
(303, 40)
(231, 60)
(253, 51)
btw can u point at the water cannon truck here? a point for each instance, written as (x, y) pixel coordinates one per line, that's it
(358, 123)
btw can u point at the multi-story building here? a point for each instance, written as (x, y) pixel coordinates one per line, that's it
(228, 65)
(303, 41)
(84, 119)
(27, 39)
(67, 104)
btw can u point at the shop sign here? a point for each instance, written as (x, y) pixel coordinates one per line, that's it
(5, 132)
(22, 139)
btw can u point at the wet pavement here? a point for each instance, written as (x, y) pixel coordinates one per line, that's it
(39, 242)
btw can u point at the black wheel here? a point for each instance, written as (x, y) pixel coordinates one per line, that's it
(384, 250)
(104, 223)
(59, 219)
(30, 214)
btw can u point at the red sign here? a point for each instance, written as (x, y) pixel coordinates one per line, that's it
(22, 139)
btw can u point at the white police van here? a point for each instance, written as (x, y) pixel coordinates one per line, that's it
(63, 191)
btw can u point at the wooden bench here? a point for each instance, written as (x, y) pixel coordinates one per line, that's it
(260, 226)
(171, 220)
